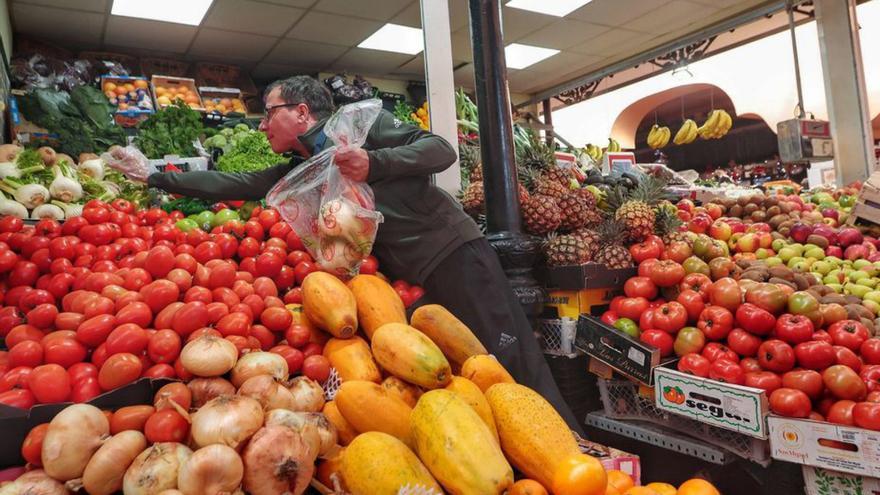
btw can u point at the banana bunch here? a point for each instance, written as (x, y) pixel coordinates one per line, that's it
(613, 146)
(687, 134)
(594, 152)
(716, 126)
(658, 137)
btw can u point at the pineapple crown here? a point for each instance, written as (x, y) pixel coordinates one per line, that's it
(666, 221)
(611, 232)
(649, 190)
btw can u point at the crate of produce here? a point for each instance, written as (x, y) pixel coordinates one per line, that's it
(166, 66)
(130, 63)
(733, 407)
(818, 481)
(587, 276)
(624, 354)
(573, 303)
(848, 449)
(222, 101)
(223, 75)
(622, 399)
(168, 89)
(24, 132)
(132, 98)
(557, 336)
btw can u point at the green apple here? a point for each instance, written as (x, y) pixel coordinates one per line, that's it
(778, 244)
(836, 287)
(861, 263)
(868, 282)
(815, 252)
(821, 267)
(787, 253)
(773, 261)
(856, 290)
(856, 275)
(874, 295)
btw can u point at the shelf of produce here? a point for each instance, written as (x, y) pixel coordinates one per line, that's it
(661, 437)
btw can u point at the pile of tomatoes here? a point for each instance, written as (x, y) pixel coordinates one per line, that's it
(103, 299)
(811, 359)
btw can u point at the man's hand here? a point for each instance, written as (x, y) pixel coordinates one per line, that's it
(354, 163)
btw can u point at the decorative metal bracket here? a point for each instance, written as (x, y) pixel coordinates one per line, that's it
(579, 93)
(684, 55)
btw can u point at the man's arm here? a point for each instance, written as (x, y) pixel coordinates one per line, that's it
(401, 150)
(219, 186)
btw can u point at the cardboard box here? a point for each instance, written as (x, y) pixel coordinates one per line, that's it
(587, 276)
(732, 407)
(25, 132)
(132, 107)
(169, 86)
(818, 481)
(825, 445)
(222, 100)
(626, 355)
(573, 303)
(612, 458)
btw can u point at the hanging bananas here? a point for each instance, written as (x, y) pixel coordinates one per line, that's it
(687, 134)
(613, 146)
(658, 137)
(716, 126)
(594, 152)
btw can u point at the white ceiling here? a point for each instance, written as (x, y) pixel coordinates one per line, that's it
(275, 38)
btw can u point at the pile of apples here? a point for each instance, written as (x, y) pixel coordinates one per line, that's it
(101, 300)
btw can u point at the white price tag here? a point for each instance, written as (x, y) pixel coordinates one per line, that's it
(636, 355)
(822, 147)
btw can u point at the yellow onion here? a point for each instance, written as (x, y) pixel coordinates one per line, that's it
(228, 420)
(267, 391)
(155, 469)
(277, 460)
(73, 436)
(35, 482)
(205, 389)
(104, 472)
(213, 469)
(314, 427)
(258, 363)
(209, 356)
(308, 395)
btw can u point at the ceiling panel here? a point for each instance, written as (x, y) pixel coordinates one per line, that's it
(304, 4)
(360, 59)
(459, 14)
(333, 29)
(90, 5)
(252, 17)
(415, 67)
(381, 11)
(464, 76)
(238, 45)
(521, 81)
(411, 16)
(461, 46)
(611, 42)
(517, 23)
(58, 24)
(564, 63)
(564, 34)
(304, 53)
(674, 15)
(145, 34)
(616, 13)
(268, 72)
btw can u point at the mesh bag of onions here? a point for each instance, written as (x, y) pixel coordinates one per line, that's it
(334, 216)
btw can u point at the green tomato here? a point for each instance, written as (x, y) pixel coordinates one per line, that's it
(802, 303)
(186, 224)
(628, 327)
(847, 201)
(205, 217)
(223, 216)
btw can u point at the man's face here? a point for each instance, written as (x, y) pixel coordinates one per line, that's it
(283, 125)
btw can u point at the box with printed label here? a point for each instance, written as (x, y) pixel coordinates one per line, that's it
(818, 481)
(612, 458)
(624, 354)
(733, 407)
(826, 445)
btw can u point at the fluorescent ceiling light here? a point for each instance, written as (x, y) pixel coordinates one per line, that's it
(190, 12)
(558, 8)
(521, 56)
(396, 38)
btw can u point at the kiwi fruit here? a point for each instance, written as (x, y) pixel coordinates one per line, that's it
(777, 280)
(817, 240)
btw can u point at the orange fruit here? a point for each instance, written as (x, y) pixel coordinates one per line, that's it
(109, 86)
(662, 488)
(161, 91)
(129, 87)
(140, 84)
(527, 487)
(620, 480)
(120, 90)
(610, 490)
(226, 102)
(697, 486)
(580, 474)
(640, 490)
(191, 98)
(123, 106)
(163, 100)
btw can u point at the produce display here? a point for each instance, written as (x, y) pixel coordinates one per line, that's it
(129, 93)
(173, 94)
(224, 105)
(173, 130)
(243, 150)
(717, 124)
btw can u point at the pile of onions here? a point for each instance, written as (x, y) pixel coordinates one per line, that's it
(228, 420)
(72, 437)
(214, 469)
(155, 469)
(314, 428)
(277, 460)
(104, 472)
(35, 482)
(209, 356)
(268, 392)
(308, 396)
(259, 363)
(205, 389)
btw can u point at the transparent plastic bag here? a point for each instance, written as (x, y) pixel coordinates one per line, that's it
(130, 161)
(334, 216)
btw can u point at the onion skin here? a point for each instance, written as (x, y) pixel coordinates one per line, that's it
(258, 363)
(276, 460)
(303, 422)
(307, 394)
(228, 420)
(73, 436)
(214, 469)
(205, 389)
(209, 356)
(155, 469)
(104, 472)
(35, 482)
(268, 392)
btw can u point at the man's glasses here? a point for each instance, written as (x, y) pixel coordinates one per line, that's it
(267, 116)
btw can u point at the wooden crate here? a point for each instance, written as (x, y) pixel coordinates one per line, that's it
(168, 67)
(132, 64)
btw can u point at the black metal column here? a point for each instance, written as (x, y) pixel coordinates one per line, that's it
(548, 121)
(517, 251)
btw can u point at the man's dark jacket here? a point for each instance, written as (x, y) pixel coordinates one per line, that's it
(423, 224)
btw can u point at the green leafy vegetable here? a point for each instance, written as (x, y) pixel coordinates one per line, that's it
(245, 151)
(170, 131)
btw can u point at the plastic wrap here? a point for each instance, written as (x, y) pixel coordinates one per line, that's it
(130, 161)
(334, 216)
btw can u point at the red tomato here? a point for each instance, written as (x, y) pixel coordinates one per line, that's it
(164, 346)
(727, 371)
(293, 296)
(714, 351)
(776, 355)
(42, 316)
(32, 447)
(694, 364)
(790, 402)
(81, 371)
(845, 356)
(185, 261)
(15, 378)
(207, 251)
(670, 317)
(666, 273)
(166, 425)
(312, 349)
(234, 324)
(264, 335)
(269, 218)
(94, 331)
(28, 353)
(85, 390)
(849, 333)
(160, 293)
(216, 311)
(659, 339)
(870, 374)
(130, 418)
(201, 294)
(242, 289)
(49, 383)
(127, 337)
(181, 278)
(750, 364)
(136, 312)
(268, 265)
(294, 357)
(743, 343)
(640, 287)
(765, 380)
(20, 398)
(755, 320)
(118, 370)
(276, 319)
(867, 415)
(814, 355)
(160, 260)
(316, 367)
(302, 270)
(844, 383)
(715, 322)
(166, 316)
(297, 336)
(65, 352)
(190, 317)
(794, 329)
(631, 307)
(870, 351)
(99, 355)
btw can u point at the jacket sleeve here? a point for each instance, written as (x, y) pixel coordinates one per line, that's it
(220, 186)
(401, 150)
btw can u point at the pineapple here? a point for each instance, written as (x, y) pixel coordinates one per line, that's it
(667, 224)
(564, 250)
(575, 213)
(612, 252)
(469, 157)
(593, 213)
(549, 187)
(473, 199)
(590, 239)
(636, 210)
(541, 214)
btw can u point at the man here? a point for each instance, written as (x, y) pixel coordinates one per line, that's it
(426, 238)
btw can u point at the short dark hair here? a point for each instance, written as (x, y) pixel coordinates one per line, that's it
(305, 89)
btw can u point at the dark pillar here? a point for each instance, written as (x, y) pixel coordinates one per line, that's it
(517, 250)
(548, 121)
